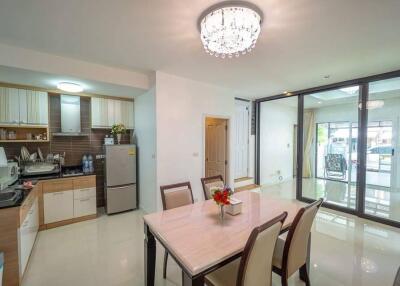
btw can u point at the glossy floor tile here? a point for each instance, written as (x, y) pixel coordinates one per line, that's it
(346, 250)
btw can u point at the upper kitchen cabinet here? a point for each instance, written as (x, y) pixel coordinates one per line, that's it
(127, 114)
(34, 107)
(106, 112)
(23, 107)
(99, 112)
(9, 106)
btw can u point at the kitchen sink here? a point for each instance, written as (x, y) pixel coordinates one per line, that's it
(9, 198)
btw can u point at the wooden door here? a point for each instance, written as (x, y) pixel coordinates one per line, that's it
(216, 147)
(242, 115)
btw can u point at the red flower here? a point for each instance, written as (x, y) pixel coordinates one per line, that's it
(222, 197)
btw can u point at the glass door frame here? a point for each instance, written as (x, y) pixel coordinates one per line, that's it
(363, 84)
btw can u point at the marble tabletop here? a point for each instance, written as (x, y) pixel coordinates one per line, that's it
(197, 237)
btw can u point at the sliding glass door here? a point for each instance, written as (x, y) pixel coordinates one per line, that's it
(344, 145)
(330, 132)
(382, 188)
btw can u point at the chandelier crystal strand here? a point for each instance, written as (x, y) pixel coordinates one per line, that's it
(230, 31)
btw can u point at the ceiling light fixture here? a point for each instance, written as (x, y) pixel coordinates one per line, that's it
(350, 89)
(373, 104)
(230, 28)
(69, 87)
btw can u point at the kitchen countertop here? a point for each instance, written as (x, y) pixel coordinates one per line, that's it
(26, 191)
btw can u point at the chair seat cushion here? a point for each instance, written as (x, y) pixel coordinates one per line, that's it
(224, 276)
(278, 252)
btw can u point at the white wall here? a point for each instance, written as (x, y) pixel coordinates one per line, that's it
(37, 61)
(276, 142)
(145, 129)
(182, 106)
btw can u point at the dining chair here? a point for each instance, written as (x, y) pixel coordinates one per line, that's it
(173, 196)
(210, 182)
(397, 278)
(255, 266)
(290, 254)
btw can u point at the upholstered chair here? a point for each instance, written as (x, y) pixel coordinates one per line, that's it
(174, 196)
(397, 279)
(290, 253)
(254, 268)
(211, 182)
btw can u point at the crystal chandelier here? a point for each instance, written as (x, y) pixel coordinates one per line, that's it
(230, 30)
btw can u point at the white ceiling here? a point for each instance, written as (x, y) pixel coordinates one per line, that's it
(50, 81)
(300, 42)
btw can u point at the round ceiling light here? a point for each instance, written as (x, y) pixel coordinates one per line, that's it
(230, 28)
(70, 87)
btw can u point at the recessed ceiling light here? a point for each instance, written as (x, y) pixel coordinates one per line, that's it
(319, 102)
(69, 87)
(350, 89)
(373, 104)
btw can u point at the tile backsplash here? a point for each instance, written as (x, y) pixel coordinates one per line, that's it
(74, 147)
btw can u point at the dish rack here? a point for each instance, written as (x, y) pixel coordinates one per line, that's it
(40, 167)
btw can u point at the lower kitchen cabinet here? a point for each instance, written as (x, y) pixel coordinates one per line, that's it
(27, 235)
(58, 206)
(69, 200)
(84, 202)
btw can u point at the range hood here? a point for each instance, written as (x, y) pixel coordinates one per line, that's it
(70, 116)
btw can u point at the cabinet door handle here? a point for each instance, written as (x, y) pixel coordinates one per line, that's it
(84, 200)
(58, 193)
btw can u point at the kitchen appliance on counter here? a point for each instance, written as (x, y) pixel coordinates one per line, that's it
(8, 171)
(120, 178)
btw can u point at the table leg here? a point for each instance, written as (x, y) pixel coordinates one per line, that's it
(149, 256)
(308, 258)
(189, 281)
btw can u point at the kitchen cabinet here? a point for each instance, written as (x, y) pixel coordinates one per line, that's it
(37, 112)
(106, 112)
(58, 206)
(111, 112)
(23, 107)
(127, 114)
(68, 200)
(9, 106)
(27, 235)
(99, 112)
(84, 202)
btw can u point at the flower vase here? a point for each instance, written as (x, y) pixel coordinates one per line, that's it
(221, 212)
(119, 138)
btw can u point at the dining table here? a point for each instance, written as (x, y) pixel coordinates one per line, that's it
(200, 241)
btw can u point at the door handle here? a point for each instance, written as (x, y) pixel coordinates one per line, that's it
(392, 151)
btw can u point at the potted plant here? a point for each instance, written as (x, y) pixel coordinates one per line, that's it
(118, 129)
(221, 197)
